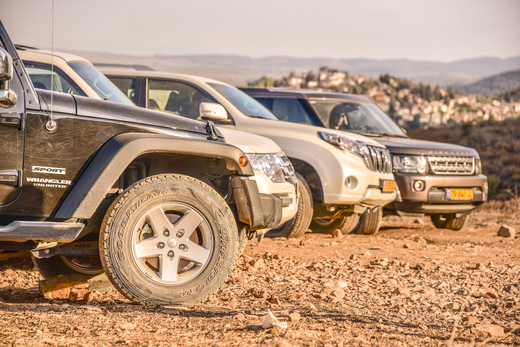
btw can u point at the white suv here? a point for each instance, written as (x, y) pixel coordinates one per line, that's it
(346, 174)
(72, 74)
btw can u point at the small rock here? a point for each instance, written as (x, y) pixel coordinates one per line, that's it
(232, 303)
(274, 301)
(294, 317)
(261, 295)
(353, 257)
(506, 231)
(69, 287)
(470, 320)
(337, 234)
(401, 291)
(126, 326)
(368, 253)
(338, 294)
(421, 266)
(406, 245)
(418, 221)
(420, 240)
(487, 330)
(239, 316)
(342, 284)
(480, 266)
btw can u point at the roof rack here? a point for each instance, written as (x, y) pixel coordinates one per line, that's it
(137, 67)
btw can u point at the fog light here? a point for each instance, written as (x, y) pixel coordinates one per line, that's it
(418, 185)
(351, 182)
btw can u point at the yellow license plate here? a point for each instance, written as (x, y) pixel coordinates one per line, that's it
(388, 186)
(459, 194)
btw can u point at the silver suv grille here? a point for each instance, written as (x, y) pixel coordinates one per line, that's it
(378, 159)
(452, 165)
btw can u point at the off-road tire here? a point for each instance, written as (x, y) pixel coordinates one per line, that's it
(369, 222)
(296, 226)
(146, 237)
(448, 221)
(327, 226)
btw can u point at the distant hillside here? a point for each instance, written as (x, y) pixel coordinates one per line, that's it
(497, 84)
(239, 70)
(498, 144)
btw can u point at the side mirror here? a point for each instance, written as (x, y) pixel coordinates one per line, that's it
(7, 96)
(212, 111)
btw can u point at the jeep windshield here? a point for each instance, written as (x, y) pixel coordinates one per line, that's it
(361, 118)
(99, 82)
(245, 104)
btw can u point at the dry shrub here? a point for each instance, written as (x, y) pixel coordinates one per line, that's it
(509, 207)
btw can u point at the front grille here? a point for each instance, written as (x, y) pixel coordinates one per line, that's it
(452, 165)
(378, 159)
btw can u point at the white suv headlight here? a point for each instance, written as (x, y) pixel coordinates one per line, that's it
(276, 166)
(344, 143)
(410, 164)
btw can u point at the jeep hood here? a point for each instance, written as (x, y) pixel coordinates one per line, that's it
(250, 143)
(88, 107)
(421, 147)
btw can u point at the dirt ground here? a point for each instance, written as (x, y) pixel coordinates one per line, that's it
(409, 285)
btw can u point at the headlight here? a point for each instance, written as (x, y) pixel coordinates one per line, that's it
(275, 166)
(410, 164)
(478, 166)
(344, 143)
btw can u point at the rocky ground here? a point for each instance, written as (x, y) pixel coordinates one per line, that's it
(409, 285)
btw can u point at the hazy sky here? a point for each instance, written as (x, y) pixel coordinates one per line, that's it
(439, 30)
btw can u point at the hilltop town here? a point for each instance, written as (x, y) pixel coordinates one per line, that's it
(412, 104)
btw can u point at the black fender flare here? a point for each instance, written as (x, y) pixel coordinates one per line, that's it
(115, 155)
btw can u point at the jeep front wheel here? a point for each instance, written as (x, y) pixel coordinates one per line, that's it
(168, 239)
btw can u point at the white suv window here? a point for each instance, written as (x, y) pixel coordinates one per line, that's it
(175, 97)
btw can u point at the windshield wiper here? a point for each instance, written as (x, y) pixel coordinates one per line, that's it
(382, 134)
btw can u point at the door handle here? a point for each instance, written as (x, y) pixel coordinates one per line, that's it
(9, 177)
(10, 120)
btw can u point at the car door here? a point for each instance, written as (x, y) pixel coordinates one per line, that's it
(11, 141)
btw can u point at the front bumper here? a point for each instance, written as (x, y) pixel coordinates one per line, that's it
(365, 186)
(256, 210)
(433, 198)
(285, 191)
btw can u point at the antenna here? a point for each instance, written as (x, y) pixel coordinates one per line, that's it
(51, 125)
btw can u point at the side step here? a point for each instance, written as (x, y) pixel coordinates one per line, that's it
(22, 231)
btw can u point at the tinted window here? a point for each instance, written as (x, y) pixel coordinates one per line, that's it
(245, 104)
(40, 75)
(175, 97)
(291, 110)
(266, 102)
(357, 117)
(126, 85)
(99, 82)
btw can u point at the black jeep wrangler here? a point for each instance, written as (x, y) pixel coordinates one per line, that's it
(160, 196)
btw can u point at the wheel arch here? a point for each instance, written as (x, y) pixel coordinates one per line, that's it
(124, 150)
(311, 176)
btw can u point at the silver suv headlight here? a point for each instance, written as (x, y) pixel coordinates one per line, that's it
(410, 163)
(276, 166)
(478, 166)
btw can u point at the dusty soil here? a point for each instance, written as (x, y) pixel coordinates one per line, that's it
(409, 285)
